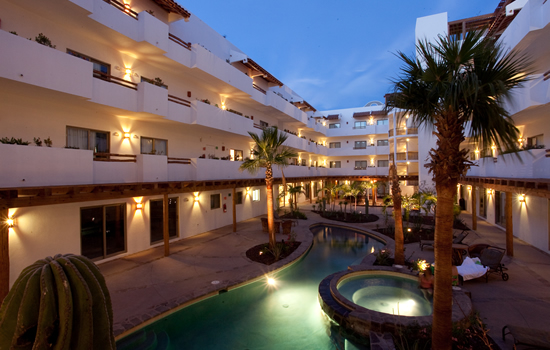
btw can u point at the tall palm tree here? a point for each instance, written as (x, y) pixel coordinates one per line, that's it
(399, 256)
(294, 191)
(268, 151)
(456, 87)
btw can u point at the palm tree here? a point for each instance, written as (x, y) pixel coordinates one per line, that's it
(353, 191)
(294, 191)
(268, 151)
(366, 186)
(399, 256)
(456, 87)
(331, 189)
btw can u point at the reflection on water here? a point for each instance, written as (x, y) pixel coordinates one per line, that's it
(285, 316)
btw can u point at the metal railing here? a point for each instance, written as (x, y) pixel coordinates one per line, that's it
(114, 80)
(114, 157)
(174, 160)
(259, 88)
(401, 156)
(412, 131)
(413, 155)
(179, 101)
(124, 8)
(180, 42)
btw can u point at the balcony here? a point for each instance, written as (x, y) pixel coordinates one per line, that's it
(216, 118)
(368, 130)
(31, 63)
(280, 104)
(179, 50)
(533, 165)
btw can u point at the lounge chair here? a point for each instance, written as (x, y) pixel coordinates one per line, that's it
(456, 240)
(531, 337)
(492, 257)
(474, 251)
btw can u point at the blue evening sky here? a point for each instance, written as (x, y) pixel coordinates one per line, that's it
(333, 53)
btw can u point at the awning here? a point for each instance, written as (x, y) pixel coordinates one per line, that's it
(250, 63)
(172, 6)
(333, 116)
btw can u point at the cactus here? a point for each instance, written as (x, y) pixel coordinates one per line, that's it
(60, 303)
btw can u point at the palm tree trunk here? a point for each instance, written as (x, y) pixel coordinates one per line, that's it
(442, 313)
(270, 219)
(399, 257)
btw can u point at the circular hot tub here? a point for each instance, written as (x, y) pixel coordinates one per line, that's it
(381, 299)
(386, 293)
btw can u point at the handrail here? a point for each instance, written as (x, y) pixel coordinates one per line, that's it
(124, 8)
(178, 100)
(413, 155)
(546, 75)
(412, 131)
(115, 80)
(401, 132)
(258, 126)
(178, 41)
(259, 88)
(390, 132)
(107, 157)
(174, 160)
(401, 156)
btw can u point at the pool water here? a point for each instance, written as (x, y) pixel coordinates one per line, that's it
(387, 294)
(258, 316)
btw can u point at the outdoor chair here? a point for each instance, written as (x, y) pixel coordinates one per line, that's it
(474, 251)
(492, 257)
(530, 337)
(456, 240)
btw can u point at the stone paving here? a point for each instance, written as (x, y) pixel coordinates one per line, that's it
(147, 285)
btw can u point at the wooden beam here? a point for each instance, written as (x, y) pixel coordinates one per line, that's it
(165, 227)
(474, 209)
(509, 225)
(4, 254)
(234, 195)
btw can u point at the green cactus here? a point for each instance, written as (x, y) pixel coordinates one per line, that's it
(58, 303)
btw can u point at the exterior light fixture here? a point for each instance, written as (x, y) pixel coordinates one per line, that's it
(10, 222)
(139, 204)
(128, 70)
(407, 116)
(127, 135)
(469, 188)
(407, 140)
(521, 198)
(223, 106)
(196, 197)
(408, 163)
(127, 8)
(249, 191)
(271, 281)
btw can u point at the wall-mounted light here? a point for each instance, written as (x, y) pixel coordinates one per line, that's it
(196, 197)
(521, 198)
(407, 116)
(407, 140)
(127, 135)
(116, 133)
(408, 163)
(469, 188)
(490, 191)
(139, 204)
(223, 106)
(128, 70)
(127, 8)
(248, 191)
(10, 221)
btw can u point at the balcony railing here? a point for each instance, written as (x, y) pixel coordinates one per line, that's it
(259, 88)
(546, 75)
(412, 131)
(179, 101)
(178, 41)
(360, 147)
(360, 168)
(413, 155)
(124, 8)
(390, 132)
(114, 80)
(401, 156)
(114, 157)
(402, 131)
(173, 160)
(258, 126)
(360, 127)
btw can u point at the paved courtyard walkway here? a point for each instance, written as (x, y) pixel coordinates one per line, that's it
(144, 286)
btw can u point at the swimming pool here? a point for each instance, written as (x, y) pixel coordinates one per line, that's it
(258, 316)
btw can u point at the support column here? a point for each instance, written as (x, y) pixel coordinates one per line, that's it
(311, 192)
(4, 254)
(234, 195)
(165, 230)
(474, 209)
(509, 225)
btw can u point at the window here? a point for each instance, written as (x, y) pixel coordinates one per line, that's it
(256, 195)
(334, 126)
(360, 145)
(239, 197)
(156, 81)
(535, 141)
(500, 208)
(235, 154)
(153, 146)
(156, 212)
(97, 141)
(360, 164)
(102, 70)
(383, 163)
(307, 190)
(334, 145)
(382, 122)
(263, 124)
(102, 231)
(360, 125)
(215, 201)
(303, 162)
(335, 164)
(382, 143)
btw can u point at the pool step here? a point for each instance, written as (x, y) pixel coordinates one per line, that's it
(142, 340)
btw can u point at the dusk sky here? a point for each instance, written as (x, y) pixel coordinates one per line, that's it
(335, 54)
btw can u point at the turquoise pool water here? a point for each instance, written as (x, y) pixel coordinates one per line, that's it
(258, 316)
(387, 294)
